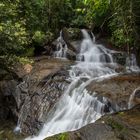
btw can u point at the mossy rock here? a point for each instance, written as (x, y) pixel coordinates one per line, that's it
(62, 136)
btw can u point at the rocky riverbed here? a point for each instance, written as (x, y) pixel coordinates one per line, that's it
(29, 98)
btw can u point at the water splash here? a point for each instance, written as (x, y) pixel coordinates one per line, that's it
(17, 129)
(61, 47)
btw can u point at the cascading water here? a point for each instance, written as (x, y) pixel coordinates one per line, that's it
(78, 107)
(130, 103)
(92, 52)
(131, 63)
(61, 47)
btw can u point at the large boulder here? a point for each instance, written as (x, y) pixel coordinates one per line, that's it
(117, 90)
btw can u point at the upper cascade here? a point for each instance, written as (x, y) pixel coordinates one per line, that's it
(92, 52)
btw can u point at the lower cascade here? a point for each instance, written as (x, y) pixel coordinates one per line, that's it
(78, 106)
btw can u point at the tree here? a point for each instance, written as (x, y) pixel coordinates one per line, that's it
(124, 24)
(14, 37)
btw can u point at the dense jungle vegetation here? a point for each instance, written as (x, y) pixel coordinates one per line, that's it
(29, 23)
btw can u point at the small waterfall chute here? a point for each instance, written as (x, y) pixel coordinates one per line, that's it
(130, 103)
(61, 47)
(92, 52)
(131, 63)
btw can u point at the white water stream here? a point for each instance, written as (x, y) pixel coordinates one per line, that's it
(77, 107)
(130, 103)
(131, 64)
(61, 51)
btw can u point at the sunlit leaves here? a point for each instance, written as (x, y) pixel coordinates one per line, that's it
(96, 11)
(122, 24)
(12, 29)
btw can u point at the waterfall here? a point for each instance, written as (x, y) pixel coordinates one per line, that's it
(92, 52)
(61, 47)
(130, 103)
(131, 64)
(78, 107)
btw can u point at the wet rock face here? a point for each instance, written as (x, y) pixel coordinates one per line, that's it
(8, 106)
(29, 99)
(116, 90)
(38, 93)
(119, 126)
(9, 80)
(37, 103)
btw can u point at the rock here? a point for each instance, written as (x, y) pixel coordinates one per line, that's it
(11, 77)
(27, 68)
(136, 98)
(8, 106)
(72, 49)
(116, 90)
(71, 55)
(119, 126)
(30, 97)
(38, 97)
(39, 100)
(39, 91)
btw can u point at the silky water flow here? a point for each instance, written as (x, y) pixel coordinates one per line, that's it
(78, 107)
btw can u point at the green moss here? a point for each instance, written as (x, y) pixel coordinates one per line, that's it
(63, 136)
(121, 113)
(115, 125)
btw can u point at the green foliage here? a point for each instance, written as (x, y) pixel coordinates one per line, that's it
(123, 23)
(24, 60)
(49, 37)
(12, 30)
(97, 10)
(29, 52)
(29, 24)
(38, 37)
(63, 136)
